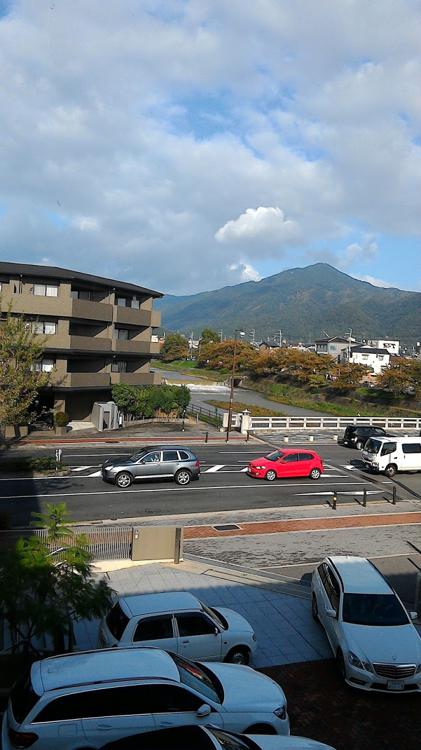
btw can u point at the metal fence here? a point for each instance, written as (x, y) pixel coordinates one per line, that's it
(104, 542)
(211, 416)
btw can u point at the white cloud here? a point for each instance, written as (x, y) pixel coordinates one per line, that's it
(175, 116)
(374, 281)
(265, 224)
(245, 272)
(364, 251)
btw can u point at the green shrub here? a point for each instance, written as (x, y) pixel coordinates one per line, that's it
(145, 402)
(61, 419)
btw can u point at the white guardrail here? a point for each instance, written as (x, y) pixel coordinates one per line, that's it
(246, 423)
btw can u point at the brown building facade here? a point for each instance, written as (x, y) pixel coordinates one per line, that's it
(95, 331)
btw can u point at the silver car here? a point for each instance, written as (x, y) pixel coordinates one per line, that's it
(153, 462)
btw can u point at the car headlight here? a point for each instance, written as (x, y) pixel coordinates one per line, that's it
(281, 712)
(418, 669)
(259, 467)
(355, 661)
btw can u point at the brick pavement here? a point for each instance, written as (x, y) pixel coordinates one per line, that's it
(304, 524)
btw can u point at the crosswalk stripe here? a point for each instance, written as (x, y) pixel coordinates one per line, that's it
(213, 469)
(81, 468)
(95, 474)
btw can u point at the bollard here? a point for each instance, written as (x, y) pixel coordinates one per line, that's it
(364, 498)
(394, 496)
(334, 500)
(206, 436)
(311, 438)
(177, 549)
(335, 437)
(286, 439)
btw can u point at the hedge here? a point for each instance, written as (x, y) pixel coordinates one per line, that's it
(144, 402)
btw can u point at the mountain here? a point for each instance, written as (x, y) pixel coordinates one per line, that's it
(303, 302)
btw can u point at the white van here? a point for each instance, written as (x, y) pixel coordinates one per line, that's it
(389, 455)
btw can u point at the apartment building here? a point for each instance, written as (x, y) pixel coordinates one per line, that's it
(95, 331)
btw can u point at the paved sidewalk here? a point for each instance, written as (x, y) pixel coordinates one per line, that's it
(283, 624)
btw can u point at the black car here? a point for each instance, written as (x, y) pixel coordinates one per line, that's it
(357, 436)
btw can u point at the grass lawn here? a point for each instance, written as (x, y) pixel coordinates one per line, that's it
(188, 367)
(255, 411)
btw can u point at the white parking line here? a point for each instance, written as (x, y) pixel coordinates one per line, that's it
(95, 474)
(214, 469)
(81, 468)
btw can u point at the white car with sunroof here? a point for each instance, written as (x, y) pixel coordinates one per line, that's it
(369, 630)
(178, 621)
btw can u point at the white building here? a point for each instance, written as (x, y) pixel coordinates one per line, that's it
(392, 346)
(375, 357)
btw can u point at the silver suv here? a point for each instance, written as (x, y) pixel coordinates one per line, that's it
(153, 462)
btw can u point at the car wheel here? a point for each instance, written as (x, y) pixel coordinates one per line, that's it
(315, 474)
(270, 475)
(390, 470)
(340, 663)
(260, 729)
(238, 655)
(182, 477)
(314, 609)
(123, 480)
(359, 445)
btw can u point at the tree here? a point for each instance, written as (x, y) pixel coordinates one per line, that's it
(47, 584)
(219, 355)
(20, 382)
(174, 347)
(402, 377)
(209, 336)
(347, 376)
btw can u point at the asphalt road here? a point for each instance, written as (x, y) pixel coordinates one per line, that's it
(223, 486)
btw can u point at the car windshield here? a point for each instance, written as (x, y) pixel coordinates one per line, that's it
(374, 610)
(274, 455)
(116, 621)
(214, 615)
(230, 741)
(200, 678)
(372, 446)
(137, 456)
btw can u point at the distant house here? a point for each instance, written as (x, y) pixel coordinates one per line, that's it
(333, 346)
(391, 346)
(265, 346)
(375, 357)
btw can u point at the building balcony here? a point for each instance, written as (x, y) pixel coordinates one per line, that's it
(82, 380)
(133, 346)
(134, 378)
(90, 343)
(87, 310)
(132, 316)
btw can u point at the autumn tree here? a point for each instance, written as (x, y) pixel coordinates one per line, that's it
(20, 381)
(174, 347)
(347, 376)
(402, 377)
(219, 356)
(209, 336)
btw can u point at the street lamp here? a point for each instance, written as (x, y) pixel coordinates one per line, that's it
(242, 333)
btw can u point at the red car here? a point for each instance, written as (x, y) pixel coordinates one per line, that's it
(288, 462)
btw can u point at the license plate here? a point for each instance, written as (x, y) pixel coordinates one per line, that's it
(395, 685)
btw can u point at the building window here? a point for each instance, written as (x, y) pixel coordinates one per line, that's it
(122, 302)
(44, 365)
(135, 303)
(380, 356)
(44, 327)
(120, 366)
(85, 294)
(364, 356)
(122, 334)
(45, 290)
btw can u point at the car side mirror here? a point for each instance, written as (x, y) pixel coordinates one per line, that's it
(203, 711)
(413, 615)
(330, 612)
(216, 631)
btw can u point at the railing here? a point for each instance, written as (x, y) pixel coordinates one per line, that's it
(211, 416)
(332, 423)
(104, 542)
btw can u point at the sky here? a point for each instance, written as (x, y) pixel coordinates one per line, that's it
(186, 145)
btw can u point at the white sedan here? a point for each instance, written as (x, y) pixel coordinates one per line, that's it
(369, 630)
(210, 738)
(178, 621)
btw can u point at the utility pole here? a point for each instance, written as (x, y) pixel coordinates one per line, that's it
(349, 344)
(232, 383)
(221, 336)
(253, 335)
(280, 337)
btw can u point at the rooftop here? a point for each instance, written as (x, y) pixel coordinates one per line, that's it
(359, 576)
(54, 272)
